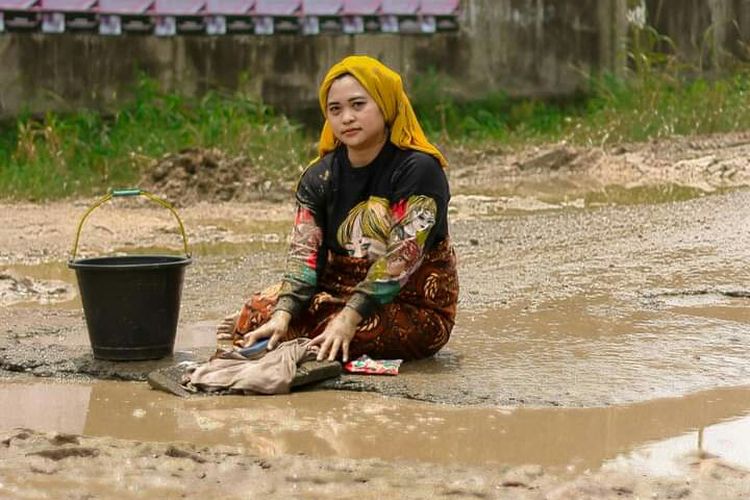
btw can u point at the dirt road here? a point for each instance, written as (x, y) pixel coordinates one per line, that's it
(590, 279)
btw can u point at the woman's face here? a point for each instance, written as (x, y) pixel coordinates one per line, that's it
(361, 246)
(353, 115)
(396, 266)
(423, 220)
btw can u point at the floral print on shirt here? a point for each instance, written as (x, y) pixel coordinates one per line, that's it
(302, 260)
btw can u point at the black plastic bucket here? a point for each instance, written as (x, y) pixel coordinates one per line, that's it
(131, 303)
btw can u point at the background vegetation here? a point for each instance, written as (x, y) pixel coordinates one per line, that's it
(63, 155)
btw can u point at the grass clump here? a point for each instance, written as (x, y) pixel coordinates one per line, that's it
(495, 118)
(661, 106)
(85, 152)
(610, 111)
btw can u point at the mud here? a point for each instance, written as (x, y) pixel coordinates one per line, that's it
(594, 283)
(549, 301)
(677, 168)
(15, 288)
(210, 445)
(332, 424)
(80, 466)
(194, 175)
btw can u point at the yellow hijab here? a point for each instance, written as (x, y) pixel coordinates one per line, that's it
(386, 88)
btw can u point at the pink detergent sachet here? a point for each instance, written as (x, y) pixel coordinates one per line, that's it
(367, 365)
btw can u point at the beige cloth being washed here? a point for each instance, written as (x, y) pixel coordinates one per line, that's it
(270, 374)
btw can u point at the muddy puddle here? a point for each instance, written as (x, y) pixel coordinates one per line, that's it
(622, 195)
(528, 196)
(599, 327)
(580, 351)
(42, 284)
(569, 308)
(583, 341)
(54, 284)
(647, 437)
(585, 350)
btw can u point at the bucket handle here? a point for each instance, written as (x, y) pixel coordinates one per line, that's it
(117, 193)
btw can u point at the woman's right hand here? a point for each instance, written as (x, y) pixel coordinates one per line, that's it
(275, 328)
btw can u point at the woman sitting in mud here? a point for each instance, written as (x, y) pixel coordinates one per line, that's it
(370, 269)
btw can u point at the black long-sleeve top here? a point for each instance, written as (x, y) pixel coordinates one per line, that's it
(389, 212)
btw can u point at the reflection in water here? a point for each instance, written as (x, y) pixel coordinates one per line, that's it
(619, 195)
(559, 192)
(50, 283)
(45, 407)
(729, 440)
(564, 348)
(647, 436)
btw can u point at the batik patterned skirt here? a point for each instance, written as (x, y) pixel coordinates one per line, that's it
(416, 324)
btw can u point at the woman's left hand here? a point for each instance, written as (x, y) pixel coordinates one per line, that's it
(338, 335)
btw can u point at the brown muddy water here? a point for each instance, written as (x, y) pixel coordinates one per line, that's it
(649, 438)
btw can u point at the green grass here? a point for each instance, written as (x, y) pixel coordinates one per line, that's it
(82, 153)
(609, 111)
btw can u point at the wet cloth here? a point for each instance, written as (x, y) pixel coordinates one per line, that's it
(266, 373)
(415, 325)
(365, 364)
(387, 90)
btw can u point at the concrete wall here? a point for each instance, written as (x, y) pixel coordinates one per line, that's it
(523, 47)
(710, 33)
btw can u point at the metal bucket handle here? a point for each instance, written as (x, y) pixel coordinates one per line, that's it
(117, 193)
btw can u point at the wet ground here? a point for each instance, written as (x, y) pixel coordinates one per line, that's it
(652, 296)
(648, 437)
(602, 328)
